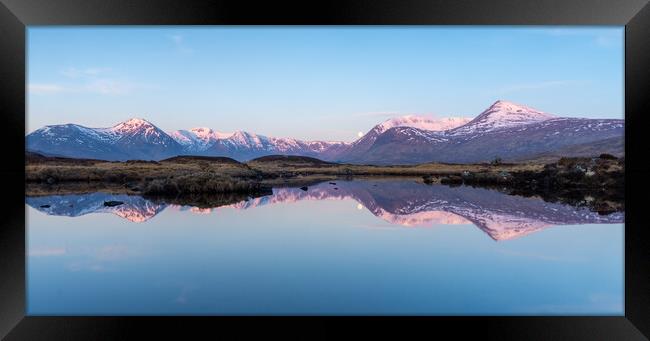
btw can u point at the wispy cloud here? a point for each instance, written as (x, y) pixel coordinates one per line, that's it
(72, 72)
(46, 252)
(110, 87)
(600, 37)
(90, 80)
(608, 41)
(536, 86)
(42, 88)
(98, 86)
(87, 266)
(179, 43)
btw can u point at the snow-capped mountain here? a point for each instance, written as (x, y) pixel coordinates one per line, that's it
(359, 147)
(421, 122)
(197, 139)
(73, 140)
(506, 130)
(142, 140)
(242, 145)
(139, 139)
(501, 115)
(132, 139)
(185, 138)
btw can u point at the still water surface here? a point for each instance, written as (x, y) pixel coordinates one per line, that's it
(353, 247)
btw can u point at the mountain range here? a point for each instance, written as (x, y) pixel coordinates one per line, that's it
(505, 130)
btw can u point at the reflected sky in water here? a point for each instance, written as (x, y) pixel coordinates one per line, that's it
(353, 247)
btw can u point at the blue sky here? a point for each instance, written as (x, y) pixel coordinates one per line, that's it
(316, 82)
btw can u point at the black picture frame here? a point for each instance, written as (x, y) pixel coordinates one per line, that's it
(15, 15)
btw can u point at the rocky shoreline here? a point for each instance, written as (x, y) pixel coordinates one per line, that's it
(597, 183)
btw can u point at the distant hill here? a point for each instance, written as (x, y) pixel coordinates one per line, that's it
(290, 159)
(31, 157)
(193, 158)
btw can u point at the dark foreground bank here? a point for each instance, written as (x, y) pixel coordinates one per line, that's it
(597, 182)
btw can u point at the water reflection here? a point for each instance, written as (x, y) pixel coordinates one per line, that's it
(399, 202)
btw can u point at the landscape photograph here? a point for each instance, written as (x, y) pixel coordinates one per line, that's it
(325, 170)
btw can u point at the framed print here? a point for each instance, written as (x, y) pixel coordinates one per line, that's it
(179, 167)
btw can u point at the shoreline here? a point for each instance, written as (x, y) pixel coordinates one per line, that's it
(597, 183)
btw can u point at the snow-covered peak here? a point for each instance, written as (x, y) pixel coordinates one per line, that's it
(422, 122)
(222, 135)
(67, 130)
(285, 143)
(241, 135)
(503, 114)
(202, 131)
(319, 146)
(205, 133)
(132, 125)
(243, 138)
(184, 137)
(199, 138)
(136, 131)
(134, 122)
(415, 134)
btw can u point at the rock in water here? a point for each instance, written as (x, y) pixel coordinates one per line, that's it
(112, 203)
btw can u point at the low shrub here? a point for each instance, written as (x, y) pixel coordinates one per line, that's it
(607, 156)
(199, 183)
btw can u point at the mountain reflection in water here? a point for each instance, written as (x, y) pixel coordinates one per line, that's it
(399, 202)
